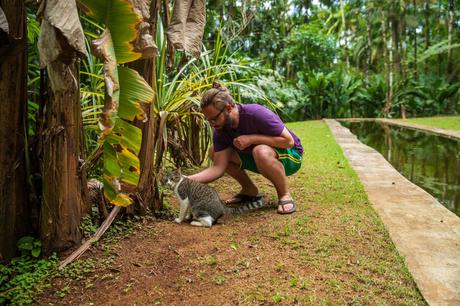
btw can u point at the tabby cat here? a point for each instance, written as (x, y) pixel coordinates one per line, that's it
(200, 202)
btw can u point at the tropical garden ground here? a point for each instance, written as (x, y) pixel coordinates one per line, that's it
(334, 250)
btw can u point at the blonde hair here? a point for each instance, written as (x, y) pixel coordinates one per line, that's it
(218, 96)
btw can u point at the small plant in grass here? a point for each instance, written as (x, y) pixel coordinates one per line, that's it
(304, 284)
(277, 298)
(293, 281)
(298, 282)
(302, 220)
(280, 266)
(253, 297)
(334, 285)
(210, 260)
(286, 231)
(201, 275)
(234, 246)
(244, 264)
(219, 279)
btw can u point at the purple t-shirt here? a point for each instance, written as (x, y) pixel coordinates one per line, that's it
(254, 119)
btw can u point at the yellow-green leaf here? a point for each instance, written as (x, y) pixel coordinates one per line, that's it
(122, 20)
(125, 135)
(121, 164)
(135, 93)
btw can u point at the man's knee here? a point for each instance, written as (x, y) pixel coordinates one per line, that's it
(263, 153)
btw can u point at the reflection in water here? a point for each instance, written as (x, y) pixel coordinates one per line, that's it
(432, 162)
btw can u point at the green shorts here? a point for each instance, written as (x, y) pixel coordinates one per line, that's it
(290, 158)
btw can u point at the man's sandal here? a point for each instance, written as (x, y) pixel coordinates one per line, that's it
(284, 211)
(243, 198)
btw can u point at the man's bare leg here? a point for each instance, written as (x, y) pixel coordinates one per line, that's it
(233, 169)
(270, 167)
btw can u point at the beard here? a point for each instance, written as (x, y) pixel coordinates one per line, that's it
(228, 122)
(227, 127)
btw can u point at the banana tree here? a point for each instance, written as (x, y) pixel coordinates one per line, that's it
(61, 43)
(13, 100)
(127, 96)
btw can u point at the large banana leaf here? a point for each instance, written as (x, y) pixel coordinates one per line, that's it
(127, 93)
(126, 24)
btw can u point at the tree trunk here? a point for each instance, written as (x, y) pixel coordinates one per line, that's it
(450, 62)
(64, 187)
(387, 59)
(369, 43)
(230, 14)
(14, 212)
(147, 189)
(344, 33)
(401, 37)
(397, 22)
(306, 6)
(450, 28)
(427, 30)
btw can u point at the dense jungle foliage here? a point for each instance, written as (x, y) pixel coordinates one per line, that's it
(348, 58)
(315, 59)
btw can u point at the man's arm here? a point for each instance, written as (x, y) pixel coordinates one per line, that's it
(219, 164)
(284, 140)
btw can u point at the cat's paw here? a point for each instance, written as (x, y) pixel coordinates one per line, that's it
(196, 223)
(178, 221)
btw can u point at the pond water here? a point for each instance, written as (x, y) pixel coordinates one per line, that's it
(429, 161)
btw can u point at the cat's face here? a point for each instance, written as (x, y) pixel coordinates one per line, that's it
(171, 178)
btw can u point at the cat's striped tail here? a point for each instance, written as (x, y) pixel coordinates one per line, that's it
(250, 206)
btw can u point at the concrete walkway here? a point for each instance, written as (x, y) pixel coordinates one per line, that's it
(426, 233)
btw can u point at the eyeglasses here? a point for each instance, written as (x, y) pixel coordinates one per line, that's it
(214, 119)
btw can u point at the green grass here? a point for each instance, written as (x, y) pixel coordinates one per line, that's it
(447, 122)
